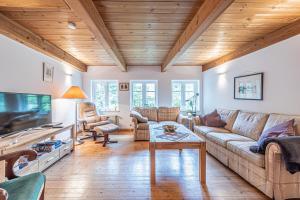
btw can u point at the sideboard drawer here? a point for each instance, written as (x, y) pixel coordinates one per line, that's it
(32, 167)
(65, 149)
(48, 159)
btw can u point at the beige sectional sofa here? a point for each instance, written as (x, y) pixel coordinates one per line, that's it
(161, 115)
(230, 145)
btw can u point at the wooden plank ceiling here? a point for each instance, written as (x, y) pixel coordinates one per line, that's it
(146, 30)
(49, 19)
(242, 23)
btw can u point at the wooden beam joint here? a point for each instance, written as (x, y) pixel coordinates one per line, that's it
(209, 11)
(262, 42)
(88, 12)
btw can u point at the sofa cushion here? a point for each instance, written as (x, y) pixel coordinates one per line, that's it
(250, 124)
(279, 130)
(145, 126)
(213, 120)
(203, 130)
(168, 114)
(275, 119)
(138, 116)
(228, 116)
(223, 138)
(242, 149)
(150, 113)
(27, 187)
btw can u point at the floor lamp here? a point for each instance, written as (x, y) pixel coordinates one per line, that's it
(75, 92)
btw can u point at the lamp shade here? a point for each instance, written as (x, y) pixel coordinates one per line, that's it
(74, 92)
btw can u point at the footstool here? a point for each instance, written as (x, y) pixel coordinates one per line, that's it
(105, 130)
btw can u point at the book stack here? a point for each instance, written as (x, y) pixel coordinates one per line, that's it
(47, 146)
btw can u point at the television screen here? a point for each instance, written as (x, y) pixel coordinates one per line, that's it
(20, 111)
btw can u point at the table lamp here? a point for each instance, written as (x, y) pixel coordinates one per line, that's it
(75, 92)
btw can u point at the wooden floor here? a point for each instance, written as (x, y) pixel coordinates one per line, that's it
(121, 171)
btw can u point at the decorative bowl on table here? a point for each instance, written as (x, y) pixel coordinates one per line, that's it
(169, 129)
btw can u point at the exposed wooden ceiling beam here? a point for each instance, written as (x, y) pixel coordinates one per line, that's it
(33, 5)
(269, 39)
(209, 11)
(87, 11)
(18, 32)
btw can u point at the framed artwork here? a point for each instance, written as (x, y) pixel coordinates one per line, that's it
(48, 72)
(249, 87)
(124, 86)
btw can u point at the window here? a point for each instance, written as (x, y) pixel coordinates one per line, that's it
(185, 94)
(143, 93)
(105, 95)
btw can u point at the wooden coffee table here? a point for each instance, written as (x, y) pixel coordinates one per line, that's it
(192, 141)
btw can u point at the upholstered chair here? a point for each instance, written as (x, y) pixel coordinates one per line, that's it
(89, 116)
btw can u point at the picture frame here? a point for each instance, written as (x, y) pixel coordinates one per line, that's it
(48, 72)
(124, 86)
(249, 87)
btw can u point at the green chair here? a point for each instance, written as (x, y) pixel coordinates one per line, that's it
(29, 187)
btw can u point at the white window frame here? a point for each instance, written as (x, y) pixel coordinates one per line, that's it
(143, 82)
(106, 94)
(182, 91)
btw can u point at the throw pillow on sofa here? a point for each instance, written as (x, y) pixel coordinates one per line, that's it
(213, 120)
(138, 116)
(281, 130)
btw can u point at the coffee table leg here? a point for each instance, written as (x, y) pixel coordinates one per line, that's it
(105, 139)
(202, 163)
(152, 163)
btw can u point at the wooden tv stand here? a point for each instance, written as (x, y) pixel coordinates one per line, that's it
(25, 139)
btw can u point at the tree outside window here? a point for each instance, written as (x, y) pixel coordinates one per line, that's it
(105, 95)
(183, 94)
(143, 93)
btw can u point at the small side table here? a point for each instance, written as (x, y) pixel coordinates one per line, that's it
(114, 118)
(189, 122)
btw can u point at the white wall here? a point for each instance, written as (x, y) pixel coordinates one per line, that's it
(21, 70)
(141, 73)
(281, 66)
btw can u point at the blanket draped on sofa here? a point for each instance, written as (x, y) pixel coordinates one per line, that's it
(290, 147)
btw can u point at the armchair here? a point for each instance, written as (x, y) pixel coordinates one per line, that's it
(89, 116)
(95, 123)
(29, 187)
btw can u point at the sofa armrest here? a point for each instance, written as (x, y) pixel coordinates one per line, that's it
(11, 158)
(275, 166)
(273, 161)
(285, 185)
(135, 122)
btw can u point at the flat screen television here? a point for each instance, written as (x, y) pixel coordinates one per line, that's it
(19, 111)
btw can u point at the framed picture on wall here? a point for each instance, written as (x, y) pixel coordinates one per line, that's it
(48, 72)
(249, 87)
(124, 86)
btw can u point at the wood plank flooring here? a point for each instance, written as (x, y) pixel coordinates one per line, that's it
(121, 171)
